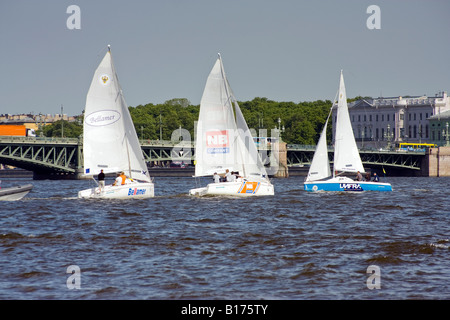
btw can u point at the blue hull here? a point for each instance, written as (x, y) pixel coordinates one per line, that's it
(346, 186)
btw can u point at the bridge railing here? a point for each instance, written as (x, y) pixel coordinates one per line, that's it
(39, 140)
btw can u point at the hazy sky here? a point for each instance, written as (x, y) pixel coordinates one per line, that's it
(284, 50)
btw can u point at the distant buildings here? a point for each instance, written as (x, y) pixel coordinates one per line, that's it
(32, 121)
(382, 121)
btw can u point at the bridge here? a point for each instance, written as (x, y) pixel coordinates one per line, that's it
(63, 157)
(395, 161)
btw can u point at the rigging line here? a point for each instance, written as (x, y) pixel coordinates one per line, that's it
(229, 97)
(99, 57)
(335, 103)
(128, 156)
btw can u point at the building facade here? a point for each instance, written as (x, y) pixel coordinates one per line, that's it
(382, 122)
(439, 129)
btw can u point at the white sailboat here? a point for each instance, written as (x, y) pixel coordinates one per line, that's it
(224, 142)
(346, 157)
(110, 142)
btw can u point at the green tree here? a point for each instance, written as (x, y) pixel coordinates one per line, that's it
(62, 128)
(303, 121)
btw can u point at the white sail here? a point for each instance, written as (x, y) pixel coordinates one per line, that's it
(346, 155)
(252, 165)
(320, 164)
(109, 138)
(223, 140)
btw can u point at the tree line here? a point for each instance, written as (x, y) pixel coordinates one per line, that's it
(300, 123)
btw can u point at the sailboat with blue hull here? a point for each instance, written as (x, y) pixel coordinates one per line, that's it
(346, 157)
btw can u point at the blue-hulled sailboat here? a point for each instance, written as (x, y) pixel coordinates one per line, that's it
(346, 157)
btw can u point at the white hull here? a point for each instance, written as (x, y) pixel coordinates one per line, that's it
(238, 189)
(127, 191)
(15, 193)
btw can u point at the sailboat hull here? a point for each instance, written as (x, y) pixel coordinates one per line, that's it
(344, 184)
(237, 189)
(128, 191)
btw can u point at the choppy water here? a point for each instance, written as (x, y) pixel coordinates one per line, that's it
(293, 246)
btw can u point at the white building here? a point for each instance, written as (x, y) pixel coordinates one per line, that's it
(377, 122)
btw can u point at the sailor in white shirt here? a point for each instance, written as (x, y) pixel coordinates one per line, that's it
(228, 176)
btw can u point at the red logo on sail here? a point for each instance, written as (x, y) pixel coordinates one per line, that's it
(217, 141)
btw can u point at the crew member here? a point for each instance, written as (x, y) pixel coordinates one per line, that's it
(101, 180)
(120, 180)
(216, 177)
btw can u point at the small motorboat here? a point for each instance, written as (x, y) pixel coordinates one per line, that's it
(15, 193)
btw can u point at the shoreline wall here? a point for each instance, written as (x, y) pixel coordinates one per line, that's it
(437, 163)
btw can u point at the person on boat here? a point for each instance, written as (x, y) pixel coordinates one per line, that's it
(367, 176)
(375, 177)
(121, 179)
(228, 176)
(216, 177)
(101, 180)
(128, 180)
(359, 176)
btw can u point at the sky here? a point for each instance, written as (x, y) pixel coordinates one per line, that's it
(284, 50)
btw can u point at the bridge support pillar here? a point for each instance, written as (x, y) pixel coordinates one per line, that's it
(437, 163)
(281, 149)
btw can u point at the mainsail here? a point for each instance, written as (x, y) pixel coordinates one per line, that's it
(346, 155)
(109, 138)
(223, 140)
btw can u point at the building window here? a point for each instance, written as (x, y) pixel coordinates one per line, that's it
(359, 118)
(421, 116)
(409, 116)
(376, 118)
(426, 131)
(387, 117)
(365, 118)
(376, 134)
(402, 116)
(382, 117)
(414, 117)
(415, 130)
(370, 118)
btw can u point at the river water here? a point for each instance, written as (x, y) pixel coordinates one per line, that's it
(293, 246)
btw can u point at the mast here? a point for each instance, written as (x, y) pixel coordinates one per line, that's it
(233, 109)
